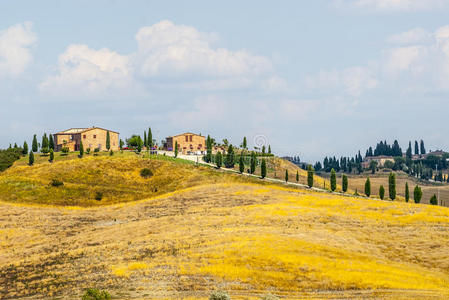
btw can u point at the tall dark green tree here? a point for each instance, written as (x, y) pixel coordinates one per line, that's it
(392, 186)
(409, 150)
(230, 159)
(51, 143)
(244, 143)
(150, 138)
(31, 158)
(52, 155)
(44, 145)
(81, 149)
(218, 159)
(263, 169)
(367, 187)
(34, 146)
(176, 149)
(253, 162)
(297, 176)
(417, 194)
(381, 192)
(416, 148)
(407, 192)
(269, 149)
(241, 164)
(25, 148)
(434, 200)
(344, 183)
(310, 176)
(333, 180)
(208, 149)
(121, 143)
(108, 140)
(263, 150)
(145, 140)
(423, 148)
(286, 175)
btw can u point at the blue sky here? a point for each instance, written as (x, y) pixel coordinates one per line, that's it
(313, 77)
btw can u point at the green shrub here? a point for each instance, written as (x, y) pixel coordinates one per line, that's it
(8, 157)
(96, 150)
(98, 196)
(434, 200)
(56, 182)
(145, 173)
(88, 151)
(65, 150)
(96, 294)
(219, 295)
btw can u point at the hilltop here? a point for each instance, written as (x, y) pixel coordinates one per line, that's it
(208, 230)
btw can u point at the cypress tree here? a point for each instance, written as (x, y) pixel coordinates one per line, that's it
(297, 176)
(344, 183)
(381, 192)
(244, 144)
(310, 176)
(416, 148)
(25, 148)
(229, 163)
(407, 192)
(241, 164)
(52, 155)
(392, 186)
(150, 138)
(108, 141)
(81, 149)
(44, 145)
(333, 180)
(34, 146)
(423, 149)
(368, 187)
(121, 143)
(417, 194)
(263, 150)
(51, 143)
(269, 149)
(145, 141)
(209, 149)
(218, 160)
(253, 162)
(409, 150)
(176, 149)
(263, 169)
(286, 175)
(434, 200)
(31, 158)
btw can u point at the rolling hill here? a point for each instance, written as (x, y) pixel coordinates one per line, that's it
(205, 230)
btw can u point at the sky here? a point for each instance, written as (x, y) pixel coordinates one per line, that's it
(309, 78)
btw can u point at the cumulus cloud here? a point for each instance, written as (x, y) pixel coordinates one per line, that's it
(166, 49)
(352, 81)
(414, 36)
(85, 71)
(167, 56)
(15, 49)
(394, 5)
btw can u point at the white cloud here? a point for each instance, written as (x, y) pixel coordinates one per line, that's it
(85, 71)
(15, 52)
(352, 81)
(414, 36)
(167, 56)
(394, 5)
(166, 49)
(406, 59)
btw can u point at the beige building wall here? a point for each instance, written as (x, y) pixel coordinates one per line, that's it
(96, 138)
(187, 142)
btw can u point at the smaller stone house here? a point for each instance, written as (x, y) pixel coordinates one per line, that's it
(188, 143)
(381, 159)
(93, 137)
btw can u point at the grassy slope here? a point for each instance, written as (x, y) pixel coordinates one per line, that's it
(247, 238)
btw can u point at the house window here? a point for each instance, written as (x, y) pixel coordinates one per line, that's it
(187, 138)
(190, 137)
(84, 136)
(95, 136)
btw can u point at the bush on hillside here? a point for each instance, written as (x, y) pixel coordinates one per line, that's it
(98, 196)
(96, 150)
(145, 173)
(65, 150)
(96, 294)
(8, 157)
(88, 151)
(219, 295)
(56, 182)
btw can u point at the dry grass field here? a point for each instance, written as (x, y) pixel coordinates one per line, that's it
(247, 238)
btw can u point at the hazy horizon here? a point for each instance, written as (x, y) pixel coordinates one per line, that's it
(314, 79)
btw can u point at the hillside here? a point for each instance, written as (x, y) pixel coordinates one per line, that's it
(212, 231)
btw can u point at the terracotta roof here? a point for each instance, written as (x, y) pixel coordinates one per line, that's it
(80, 130)
(185, 134)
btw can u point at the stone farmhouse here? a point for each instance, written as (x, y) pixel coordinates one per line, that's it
(188, 143)
(381, 159)
(93, 137)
